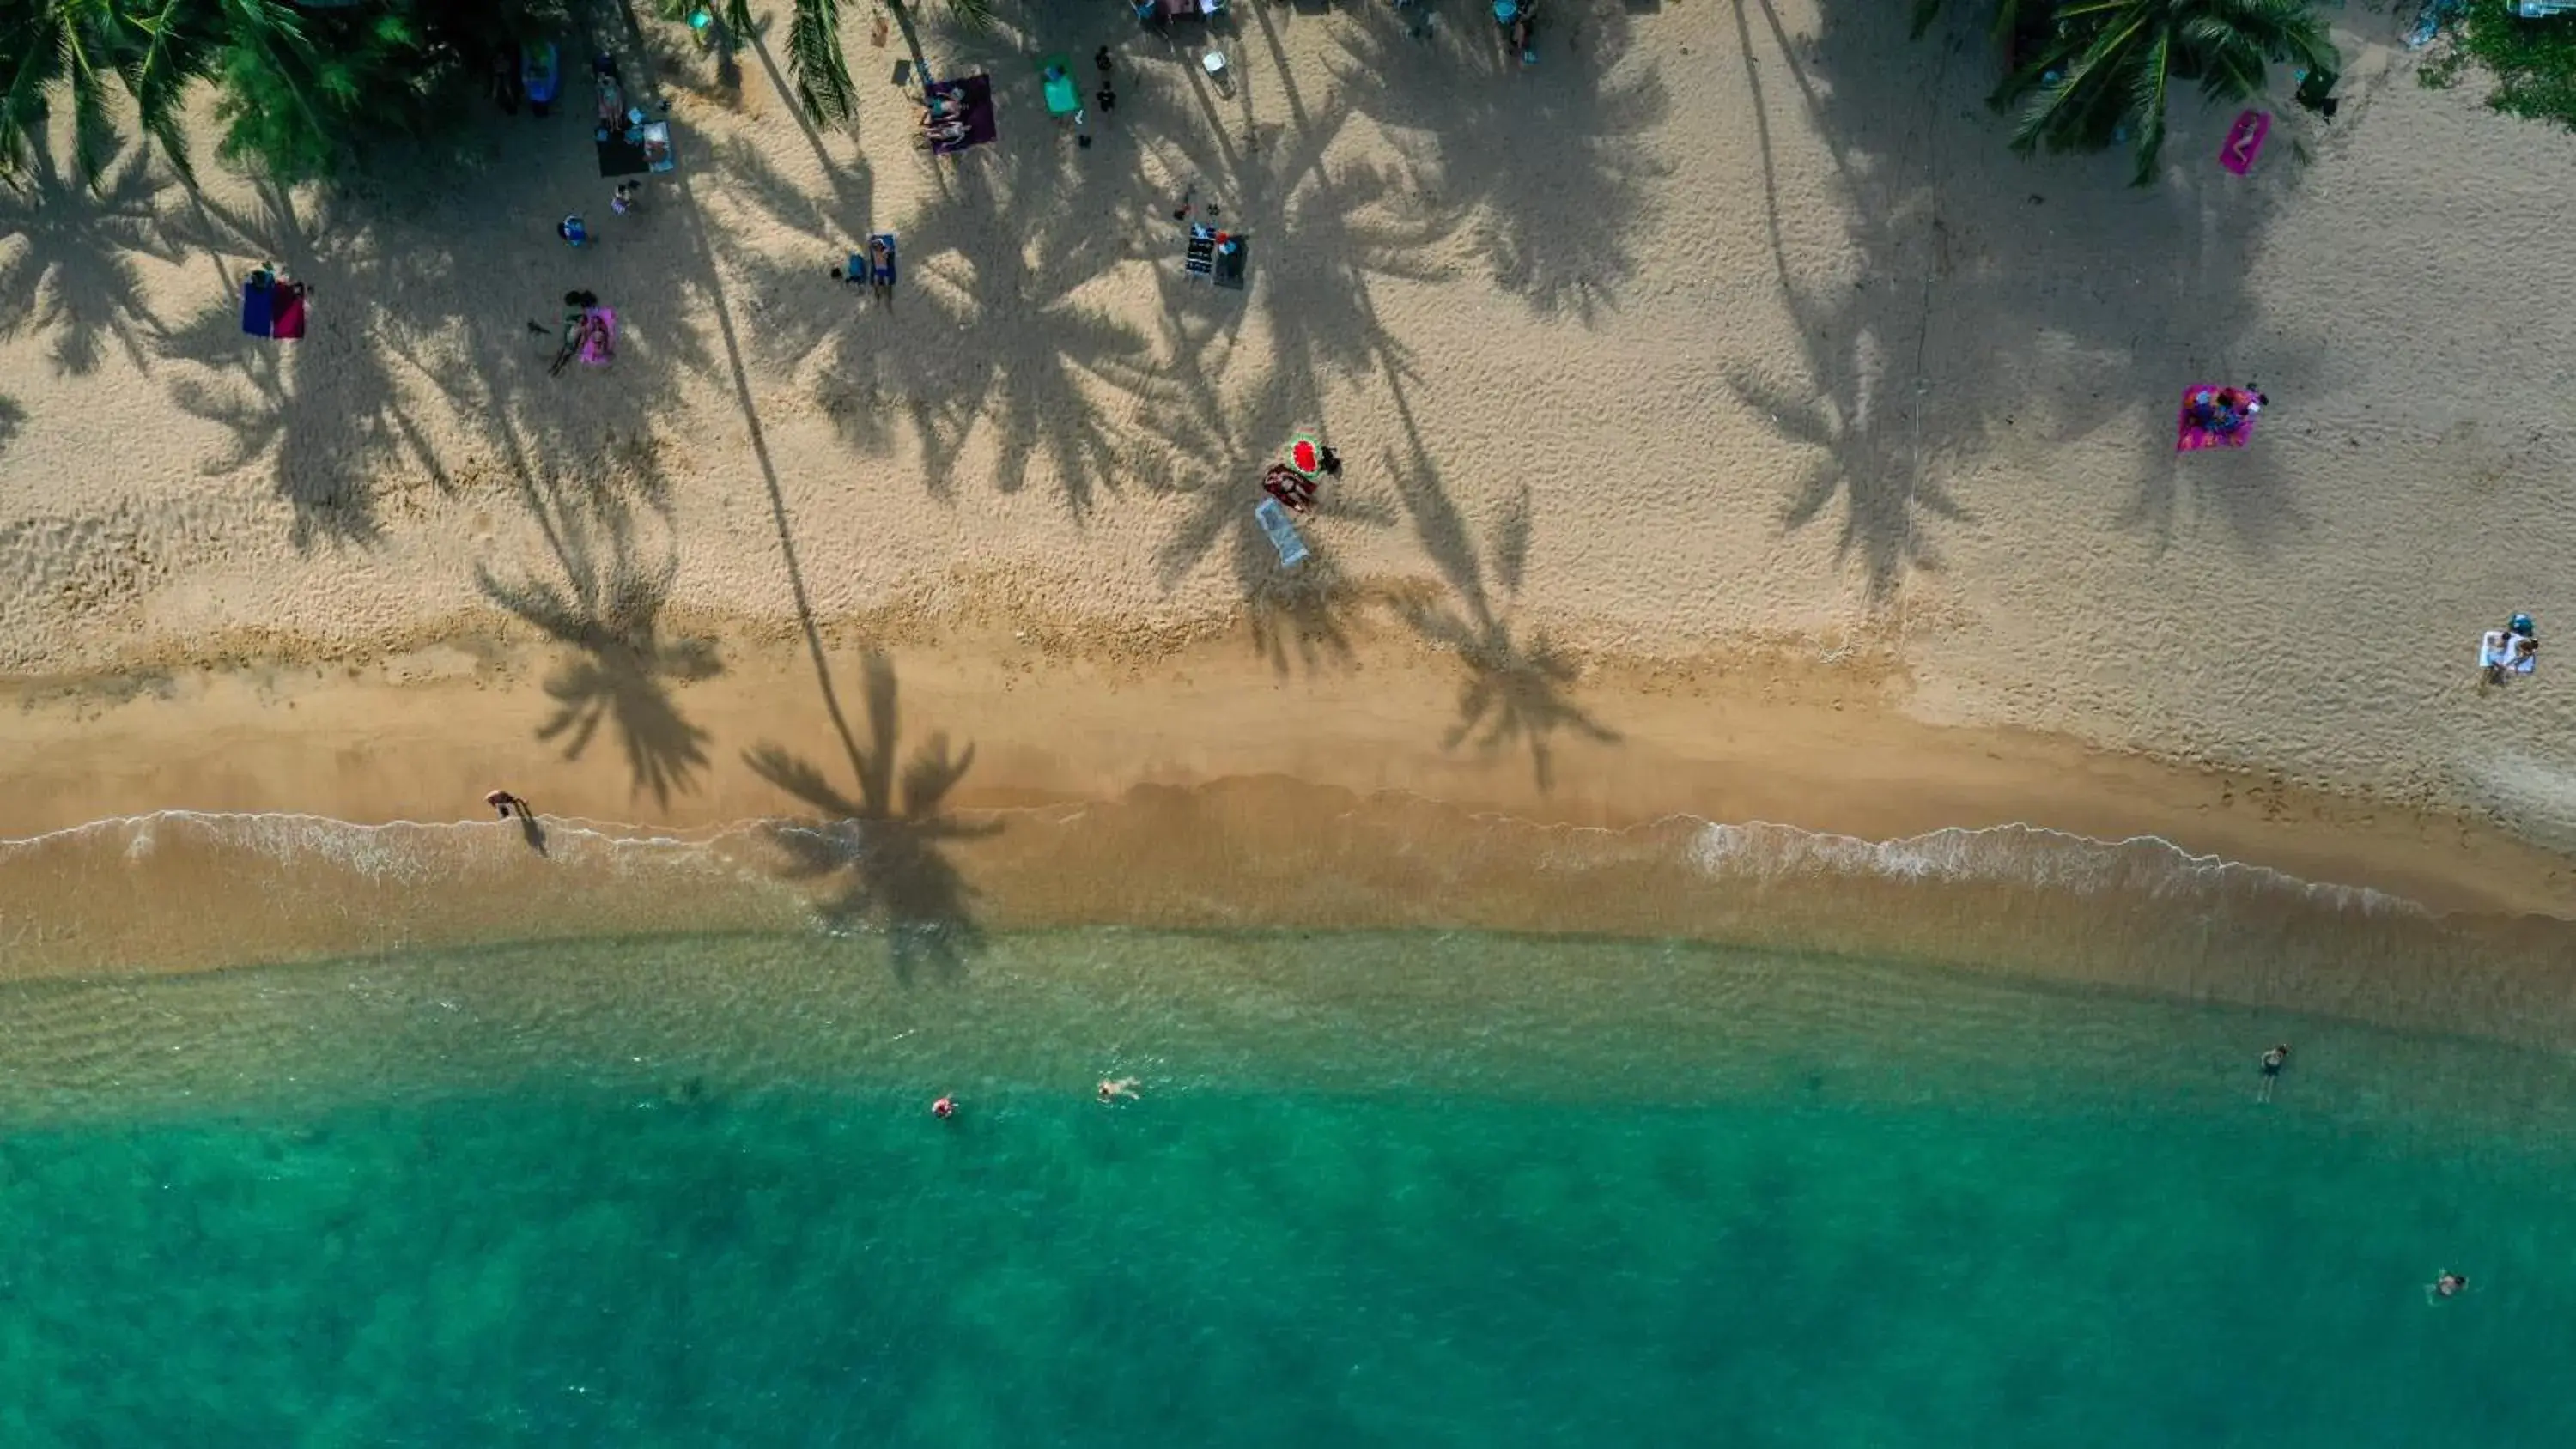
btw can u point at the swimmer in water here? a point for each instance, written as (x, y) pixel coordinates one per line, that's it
(1121, 1090)
(2448, 1285)
(944, 1108)
(2273, 1060)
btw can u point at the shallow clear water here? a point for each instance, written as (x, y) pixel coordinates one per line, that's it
(1382, 1187)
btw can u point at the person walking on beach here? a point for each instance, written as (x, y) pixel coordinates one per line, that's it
(2273, 1060)
(1121, 1090)
(505, 802)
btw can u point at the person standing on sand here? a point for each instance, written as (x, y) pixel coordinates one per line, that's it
(2273, 1060)
(505, 802)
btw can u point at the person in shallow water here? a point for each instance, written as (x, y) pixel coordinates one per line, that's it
(2273, 1060)
(1121, 1090)
(2447, 1285)
(505, 802)
(945, 1108)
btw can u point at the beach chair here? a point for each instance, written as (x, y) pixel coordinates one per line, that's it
(1199, 260)
(1282, 533)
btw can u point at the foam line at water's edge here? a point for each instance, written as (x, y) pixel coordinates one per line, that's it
(2011, 852)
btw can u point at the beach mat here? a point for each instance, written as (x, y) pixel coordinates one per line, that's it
(2190, 437)
(259, 303)
(1281, 532)
(982, 127)
(599, 347)
(289, 322)
(2245, 141)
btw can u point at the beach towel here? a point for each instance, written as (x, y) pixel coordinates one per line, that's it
(882, 276)
(981, 126)
(259, 302)
(1282, 533)
(1055, 76)
(2495, 648)
(2191, 437)
(1199, 258)
(2245, 141)
(599, 345)
(288, 324)
(1230, 255)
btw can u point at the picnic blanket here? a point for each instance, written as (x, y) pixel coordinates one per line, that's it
(637, 150)
(2191, 437)
(1282, 533)
(981, 126)
(2245, 141)
(599, 343)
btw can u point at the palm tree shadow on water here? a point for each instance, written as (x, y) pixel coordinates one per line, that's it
(621, 665)
(882, 857)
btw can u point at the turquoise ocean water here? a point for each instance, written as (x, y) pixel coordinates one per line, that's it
(1382, 1187)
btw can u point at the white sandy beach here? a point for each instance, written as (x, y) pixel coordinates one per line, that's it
(1727, 326)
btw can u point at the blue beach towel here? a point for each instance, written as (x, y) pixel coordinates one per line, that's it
(1283, 534)
(259, 304)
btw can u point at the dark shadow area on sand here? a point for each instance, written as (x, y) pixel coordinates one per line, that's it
(1996, 304)
(882, 856)
(405, 325)
(1538, 165)
(66, 258)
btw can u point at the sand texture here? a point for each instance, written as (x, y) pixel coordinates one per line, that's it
(1726, 329)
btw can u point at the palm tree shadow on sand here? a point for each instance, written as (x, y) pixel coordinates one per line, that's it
(1519, 682)
(621, 665)
(882, 856)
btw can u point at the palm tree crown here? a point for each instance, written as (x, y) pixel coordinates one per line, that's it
(2111, 64)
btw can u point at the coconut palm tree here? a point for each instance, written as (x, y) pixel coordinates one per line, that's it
(814, 59)
(153, 47)
(2111, 64)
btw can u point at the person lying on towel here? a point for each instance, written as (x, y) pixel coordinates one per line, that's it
(1294, 490)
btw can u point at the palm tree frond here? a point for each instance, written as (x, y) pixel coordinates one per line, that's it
(822, 77)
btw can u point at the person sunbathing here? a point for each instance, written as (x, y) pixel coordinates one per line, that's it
(943, 133)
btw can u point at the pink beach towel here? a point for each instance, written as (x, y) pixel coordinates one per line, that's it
(289, 321)
(599, 344)
(2245, 141)
(2190, 437)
